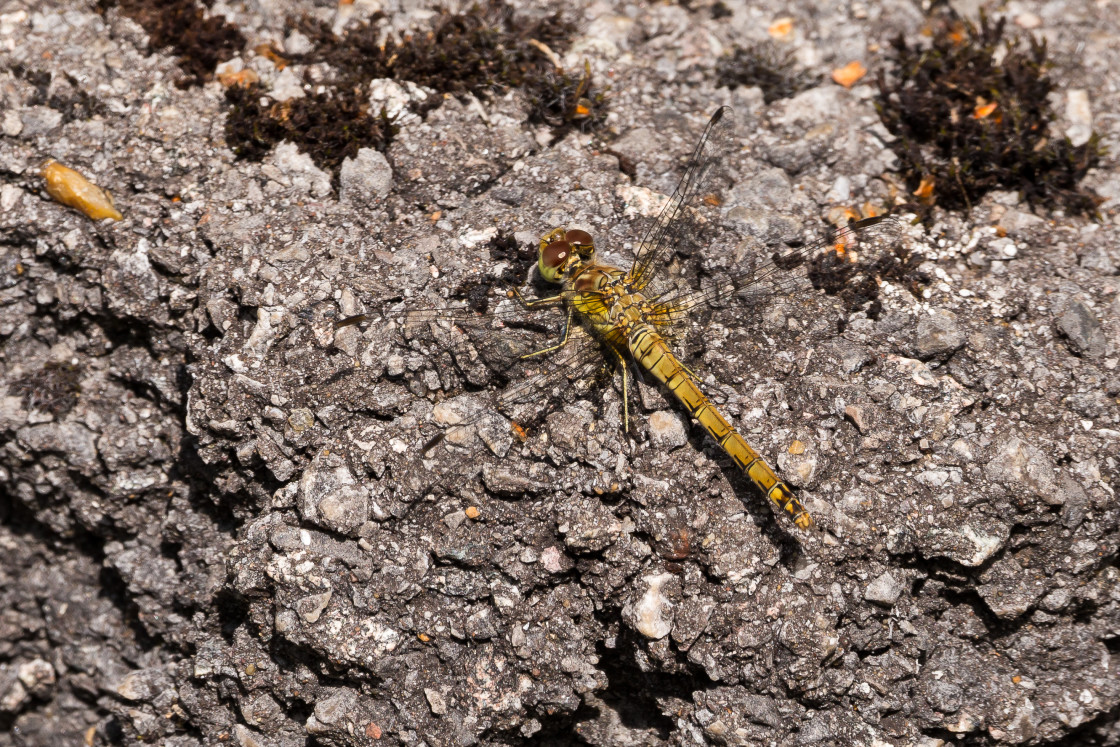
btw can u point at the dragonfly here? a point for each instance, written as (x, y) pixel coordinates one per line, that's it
(630, 317)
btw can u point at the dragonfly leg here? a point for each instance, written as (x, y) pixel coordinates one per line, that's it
(563, 340)
(690, 372)
(625, 392)
(532, 303)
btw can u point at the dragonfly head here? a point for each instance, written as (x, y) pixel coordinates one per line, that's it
(562, 251)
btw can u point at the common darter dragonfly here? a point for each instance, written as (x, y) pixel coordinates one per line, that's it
(629, 317)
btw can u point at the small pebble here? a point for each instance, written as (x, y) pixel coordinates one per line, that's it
(436, 701)
(883, 590)
(301, 419)
(856, 415)
(1083, 330)
(312, 606)
(938, 333)
(652, 615)
(667, 430)
(366, 178)
(1079, 112)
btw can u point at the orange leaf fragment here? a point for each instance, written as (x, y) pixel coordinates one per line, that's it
(781, 28)
(841, 215)
(925, 188)
(849, 74)
(267, 50)
(797, 448)
(242, 78)
(983, 110)
(74, 190)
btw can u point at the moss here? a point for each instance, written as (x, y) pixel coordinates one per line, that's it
(764, 65)
(480, 52)
(471, 52)
(970, 114)
(564, 101)
(483, 51)
(330, 127)
(199, 42)
(53, 388)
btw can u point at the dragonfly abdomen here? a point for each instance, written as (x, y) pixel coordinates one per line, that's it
(653, 354)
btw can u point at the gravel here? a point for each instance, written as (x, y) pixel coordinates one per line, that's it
(366, 178)
(227, 529)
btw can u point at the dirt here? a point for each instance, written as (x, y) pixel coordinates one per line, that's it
(227, 519)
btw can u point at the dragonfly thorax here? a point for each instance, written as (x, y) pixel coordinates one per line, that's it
(562, 252)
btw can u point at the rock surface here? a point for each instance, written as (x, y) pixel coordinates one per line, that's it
(225, 521)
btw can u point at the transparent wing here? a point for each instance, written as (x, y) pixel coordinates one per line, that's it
(676, 224)
(544, 384)
(469, 349)
(470, 312)
(853, 257)
(546, 380)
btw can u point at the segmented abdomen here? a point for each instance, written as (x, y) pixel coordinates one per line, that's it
(653, 353)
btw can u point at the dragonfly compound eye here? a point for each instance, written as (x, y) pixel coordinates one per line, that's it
(580, 240)
(553, 258)
(555, 254)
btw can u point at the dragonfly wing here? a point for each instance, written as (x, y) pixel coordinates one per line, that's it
(548, 378)
(477, 337)
(542, 383)
(675, 225)
(472, 349)
(863, 248)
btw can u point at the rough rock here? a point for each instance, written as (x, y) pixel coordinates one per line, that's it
(228, 519)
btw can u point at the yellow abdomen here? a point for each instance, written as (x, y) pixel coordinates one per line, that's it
(652, 352)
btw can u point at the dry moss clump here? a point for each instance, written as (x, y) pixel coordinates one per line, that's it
(199, 42)
(764, 65)
(330, 126)
(480, 52)
(970, 114)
